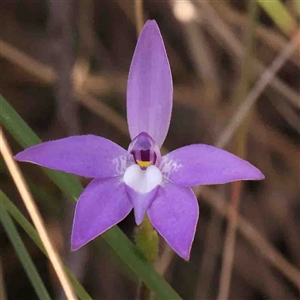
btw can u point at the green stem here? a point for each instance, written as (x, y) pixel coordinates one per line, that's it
(146, 240)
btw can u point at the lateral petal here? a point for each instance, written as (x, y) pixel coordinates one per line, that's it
(103, 204)
(150, 87)
(174, 214)
(203, 164)
(85, 155)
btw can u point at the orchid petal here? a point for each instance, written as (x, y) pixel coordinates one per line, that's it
(150, 88)
(102, 204)
(174, 214)
(86, 155)
(141, 202)
(203, 164)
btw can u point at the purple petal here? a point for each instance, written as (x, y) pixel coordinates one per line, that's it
(150, 88)
(84, 155)
(202, 164)
(102, 204)
(141, 202)
(174, 214)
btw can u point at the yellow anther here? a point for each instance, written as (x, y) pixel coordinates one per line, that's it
(143, 164)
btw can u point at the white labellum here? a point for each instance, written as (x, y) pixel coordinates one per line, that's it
(142, 181)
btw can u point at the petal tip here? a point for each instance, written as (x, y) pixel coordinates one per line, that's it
(257, 174)
(138, 221)
(76, 241)
(28, 154)
(150, 22)
(150, 26)
(18, 156)
(261, 176)
(138, 216)
(75, 245)
(24, 156)
(186, 256)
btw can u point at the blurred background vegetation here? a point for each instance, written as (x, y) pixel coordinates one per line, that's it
(64, 67)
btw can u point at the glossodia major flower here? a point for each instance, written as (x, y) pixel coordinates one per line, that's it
(140, 178)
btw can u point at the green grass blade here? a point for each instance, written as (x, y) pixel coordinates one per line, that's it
(280, 15)
(23, 255)
(115, 238)
(23, 134)
(30, 230)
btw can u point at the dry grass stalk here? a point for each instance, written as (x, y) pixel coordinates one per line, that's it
(138, 6)
(265, 79)
(254, 237)
(35, 216)
(220, 30)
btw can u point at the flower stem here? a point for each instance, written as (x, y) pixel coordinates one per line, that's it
(146, 240)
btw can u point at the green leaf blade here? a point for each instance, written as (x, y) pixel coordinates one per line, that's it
(280, 16)
(28, 265)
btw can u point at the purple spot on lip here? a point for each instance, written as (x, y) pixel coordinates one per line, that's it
(145, 155)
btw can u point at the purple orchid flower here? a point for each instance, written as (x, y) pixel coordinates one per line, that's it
(140, 178)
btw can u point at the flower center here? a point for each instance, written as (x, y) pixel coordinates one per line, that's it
(144, 150)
